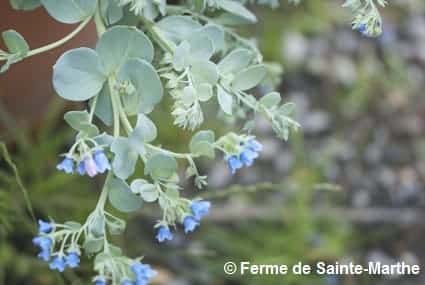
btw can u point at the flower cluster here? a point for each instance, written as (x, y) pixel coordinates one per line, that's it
(248, 152)
(198, 210)
(45, 243)
(90, 163)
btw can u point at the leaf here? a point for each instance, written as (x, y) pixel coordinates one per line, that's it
(70, 11)
(121, 196)
(15, 43)
(270, 100)
(92, 245)
(111, 11)
(25, 5)
(235, 61)
(149, 90)
(238, 9)
(225, 100)
(77, 75)
(249, 77)
(147, 191)
(103, 108)
(145, 130)
(121, 43)
(204, 91)
(201, 47)
(125, 158)
(160, 166)
(215, 34)
(177, 28)
(80, 121)
(204, 72)
(202, 143)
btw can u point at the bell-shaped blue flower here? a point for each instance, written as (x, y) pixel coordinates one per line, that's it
(72, 260)
(58, 263)
(80, 168)
(101, 161)
(200, 209)
(190, 224)
(164, 234)
(43, 242)
(254, 145)
(44, 227)
(234, 163)
(90, 166)
(143, 272)
(127, 282)
(44, 255)
(66, 165)
(248, 156)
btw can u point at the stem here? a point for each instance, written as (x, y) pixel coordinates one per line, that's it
(155, 35)
(59, 42)
(115, 106)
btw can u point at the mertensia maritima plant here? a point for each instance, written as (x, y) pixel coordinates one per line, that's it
(148, 49)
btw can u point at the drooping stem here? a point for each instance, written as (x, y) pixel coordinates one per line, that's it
(61, 41)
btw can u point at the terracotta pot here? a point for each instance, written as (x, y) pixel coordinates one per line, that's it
(26, 88)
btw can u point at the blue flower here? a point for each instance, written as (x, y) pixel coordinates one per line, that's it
(248, 156)
(99, 281)
(43, 242)
(66, 165)
(143, 272)
(362, 28)
(127, 282)
(200, 209)
(164, 234)
(90, 166)
(234, 163)
(72, 260)
(58, 263)
(44, 227)
(101, 161)
(80, 168)
(44, 255)
(254, 145)
(190, 224)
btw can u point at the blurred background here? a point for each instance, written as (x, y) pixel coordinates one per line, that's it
(349, 187)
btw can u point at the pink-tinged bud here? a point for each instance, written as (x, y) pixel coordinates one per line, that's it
(90, 166)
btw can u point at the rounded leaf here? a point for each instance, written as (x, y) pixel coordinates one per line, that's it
(77, 75)
(121, 43)
(121, 196)
(70, 11)
(161, 166)
(249, 77)
(147, 83)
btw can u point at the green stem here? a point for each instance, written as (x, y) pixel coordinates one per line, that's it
(149, 25)
(115, 106)
(61, 41)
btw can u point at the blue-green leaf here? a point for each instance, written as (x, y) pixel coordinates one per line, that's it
(202, 143)
(70, 11)
(145, 130)
(237, 9)
(235, 61)
(161, 166)
(177, 28)
(225, 100)
(249, 77)
(77, 75)
(15, 43)
(147, 83)
(121, 196)
(121, 43)
(25, 5)
(103, 108)
(125, 158)
(80, 121)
